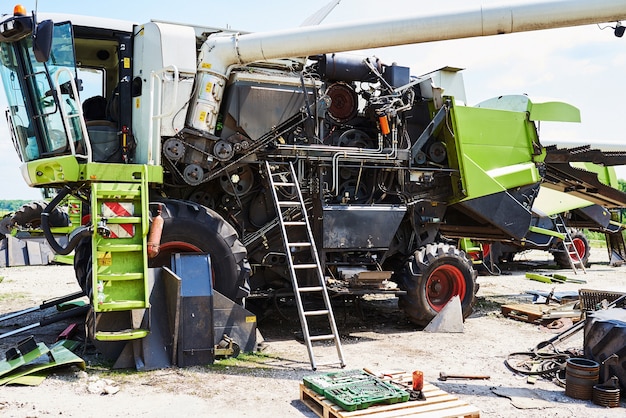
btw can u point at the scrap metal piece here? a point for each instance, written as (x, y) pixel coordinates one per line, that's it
(445, 376)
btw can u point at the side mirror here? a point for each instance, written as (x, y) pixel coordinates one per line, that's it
(42, 40)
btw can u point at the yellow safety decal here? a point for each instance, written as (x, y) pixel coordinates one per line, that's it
(126, 62)
(205, 65)
(209, 87)
(202, 116)
(250, 319)
(137, 103)
(104, 259)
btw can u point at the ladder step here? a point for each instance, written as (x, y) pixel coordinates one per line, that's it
(284, 183)
(322, 337)
(299, 244)
(304, 266)
(120, 276)
(310, 289)
(120, 305)
(124, 220)
(317, 313)
(118, 194)
(294, 223)
(127, 334)
(288, 203)
(120, 247)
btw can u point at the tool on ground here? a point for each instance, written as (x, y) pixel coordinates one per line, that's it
(46, 304)
(445, 376)
(80, 310)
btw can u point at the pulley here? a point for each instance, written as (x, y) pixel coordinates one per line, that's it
(173, 149)
(193, 174)
(344, 102)
(223, 150)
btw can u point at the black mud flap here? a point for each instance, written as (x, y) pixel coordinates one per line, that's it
(507, 211)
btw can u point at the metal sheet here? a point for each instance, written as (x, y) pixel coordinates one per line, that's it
(361, 227)
(195, 331)
(235, 321)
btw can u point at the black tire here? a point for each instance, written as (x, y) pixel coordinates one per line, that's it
(29, 216)
(432, 277)
(82, 265)
(5, 226)
(190, 227)
(581, 243)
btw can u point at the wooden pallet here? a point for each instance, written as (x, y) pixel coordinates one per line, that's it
(526, 312)
(438, 404)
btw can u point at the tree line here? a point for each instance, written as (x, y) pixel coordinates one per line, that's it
(12, 205)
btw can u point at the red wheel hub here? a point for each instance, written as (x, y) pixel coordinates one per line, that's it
(443, 283)
(579, 245)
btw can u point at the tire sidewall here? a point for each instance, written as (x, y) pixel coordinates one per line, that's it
(414, 280)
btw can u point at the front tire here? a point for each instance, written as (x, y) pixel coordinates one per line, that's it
(432, 277)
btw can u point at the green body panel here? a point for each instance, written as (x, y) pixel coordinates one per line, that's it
(67, 169)
(57, 356)
(494, 151)
(56, 170)
(550, 202)
(553, 111)
(606, 174)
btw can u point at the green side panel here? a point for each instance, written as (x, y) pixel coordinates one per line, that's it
(57, 170)
(66, 169)
(122, 172)
(554, 111)
(7, 366)
(494, 150)
(606, 174)
(58, 356)
(537, 110)
(550, 202)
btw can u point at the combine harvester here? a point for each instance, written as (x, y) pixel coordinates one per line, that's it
(301, 171)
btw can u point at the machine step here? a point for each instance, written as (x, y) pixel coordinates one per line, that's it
(122, 335)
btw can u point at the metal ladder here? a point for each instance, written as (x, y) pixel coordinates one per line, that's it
(568, 245)
(302, 255)
(119, 276)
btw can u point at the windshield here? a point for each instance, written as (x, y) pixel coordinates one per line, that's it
(43, 109)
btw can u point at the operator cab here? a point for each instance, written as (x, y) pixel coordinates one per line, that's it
(48, 69)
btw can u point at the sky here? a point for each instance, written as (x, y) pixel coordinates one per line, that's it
(582, 66)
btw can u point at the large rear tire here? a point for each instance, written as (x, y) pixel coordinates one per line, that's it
(432, 277)
(581, 243)
(189, 227)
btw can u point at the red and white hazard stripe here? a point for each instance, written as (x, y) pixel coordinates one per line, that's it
(119, 210)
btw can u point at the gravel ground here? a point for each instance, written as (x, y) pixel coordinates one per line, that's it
(266, 384)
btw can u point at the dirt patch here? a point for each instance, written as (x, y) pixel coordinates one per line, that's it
(374, 333)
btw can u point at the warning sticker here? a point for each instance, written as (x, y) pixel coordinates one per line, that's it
(119, 210)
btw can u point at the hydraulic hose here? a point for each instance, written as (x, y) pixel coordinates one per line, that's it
(75, 236)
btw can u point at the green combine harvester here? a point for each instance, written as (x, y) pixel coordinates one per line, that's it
(303, 172)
